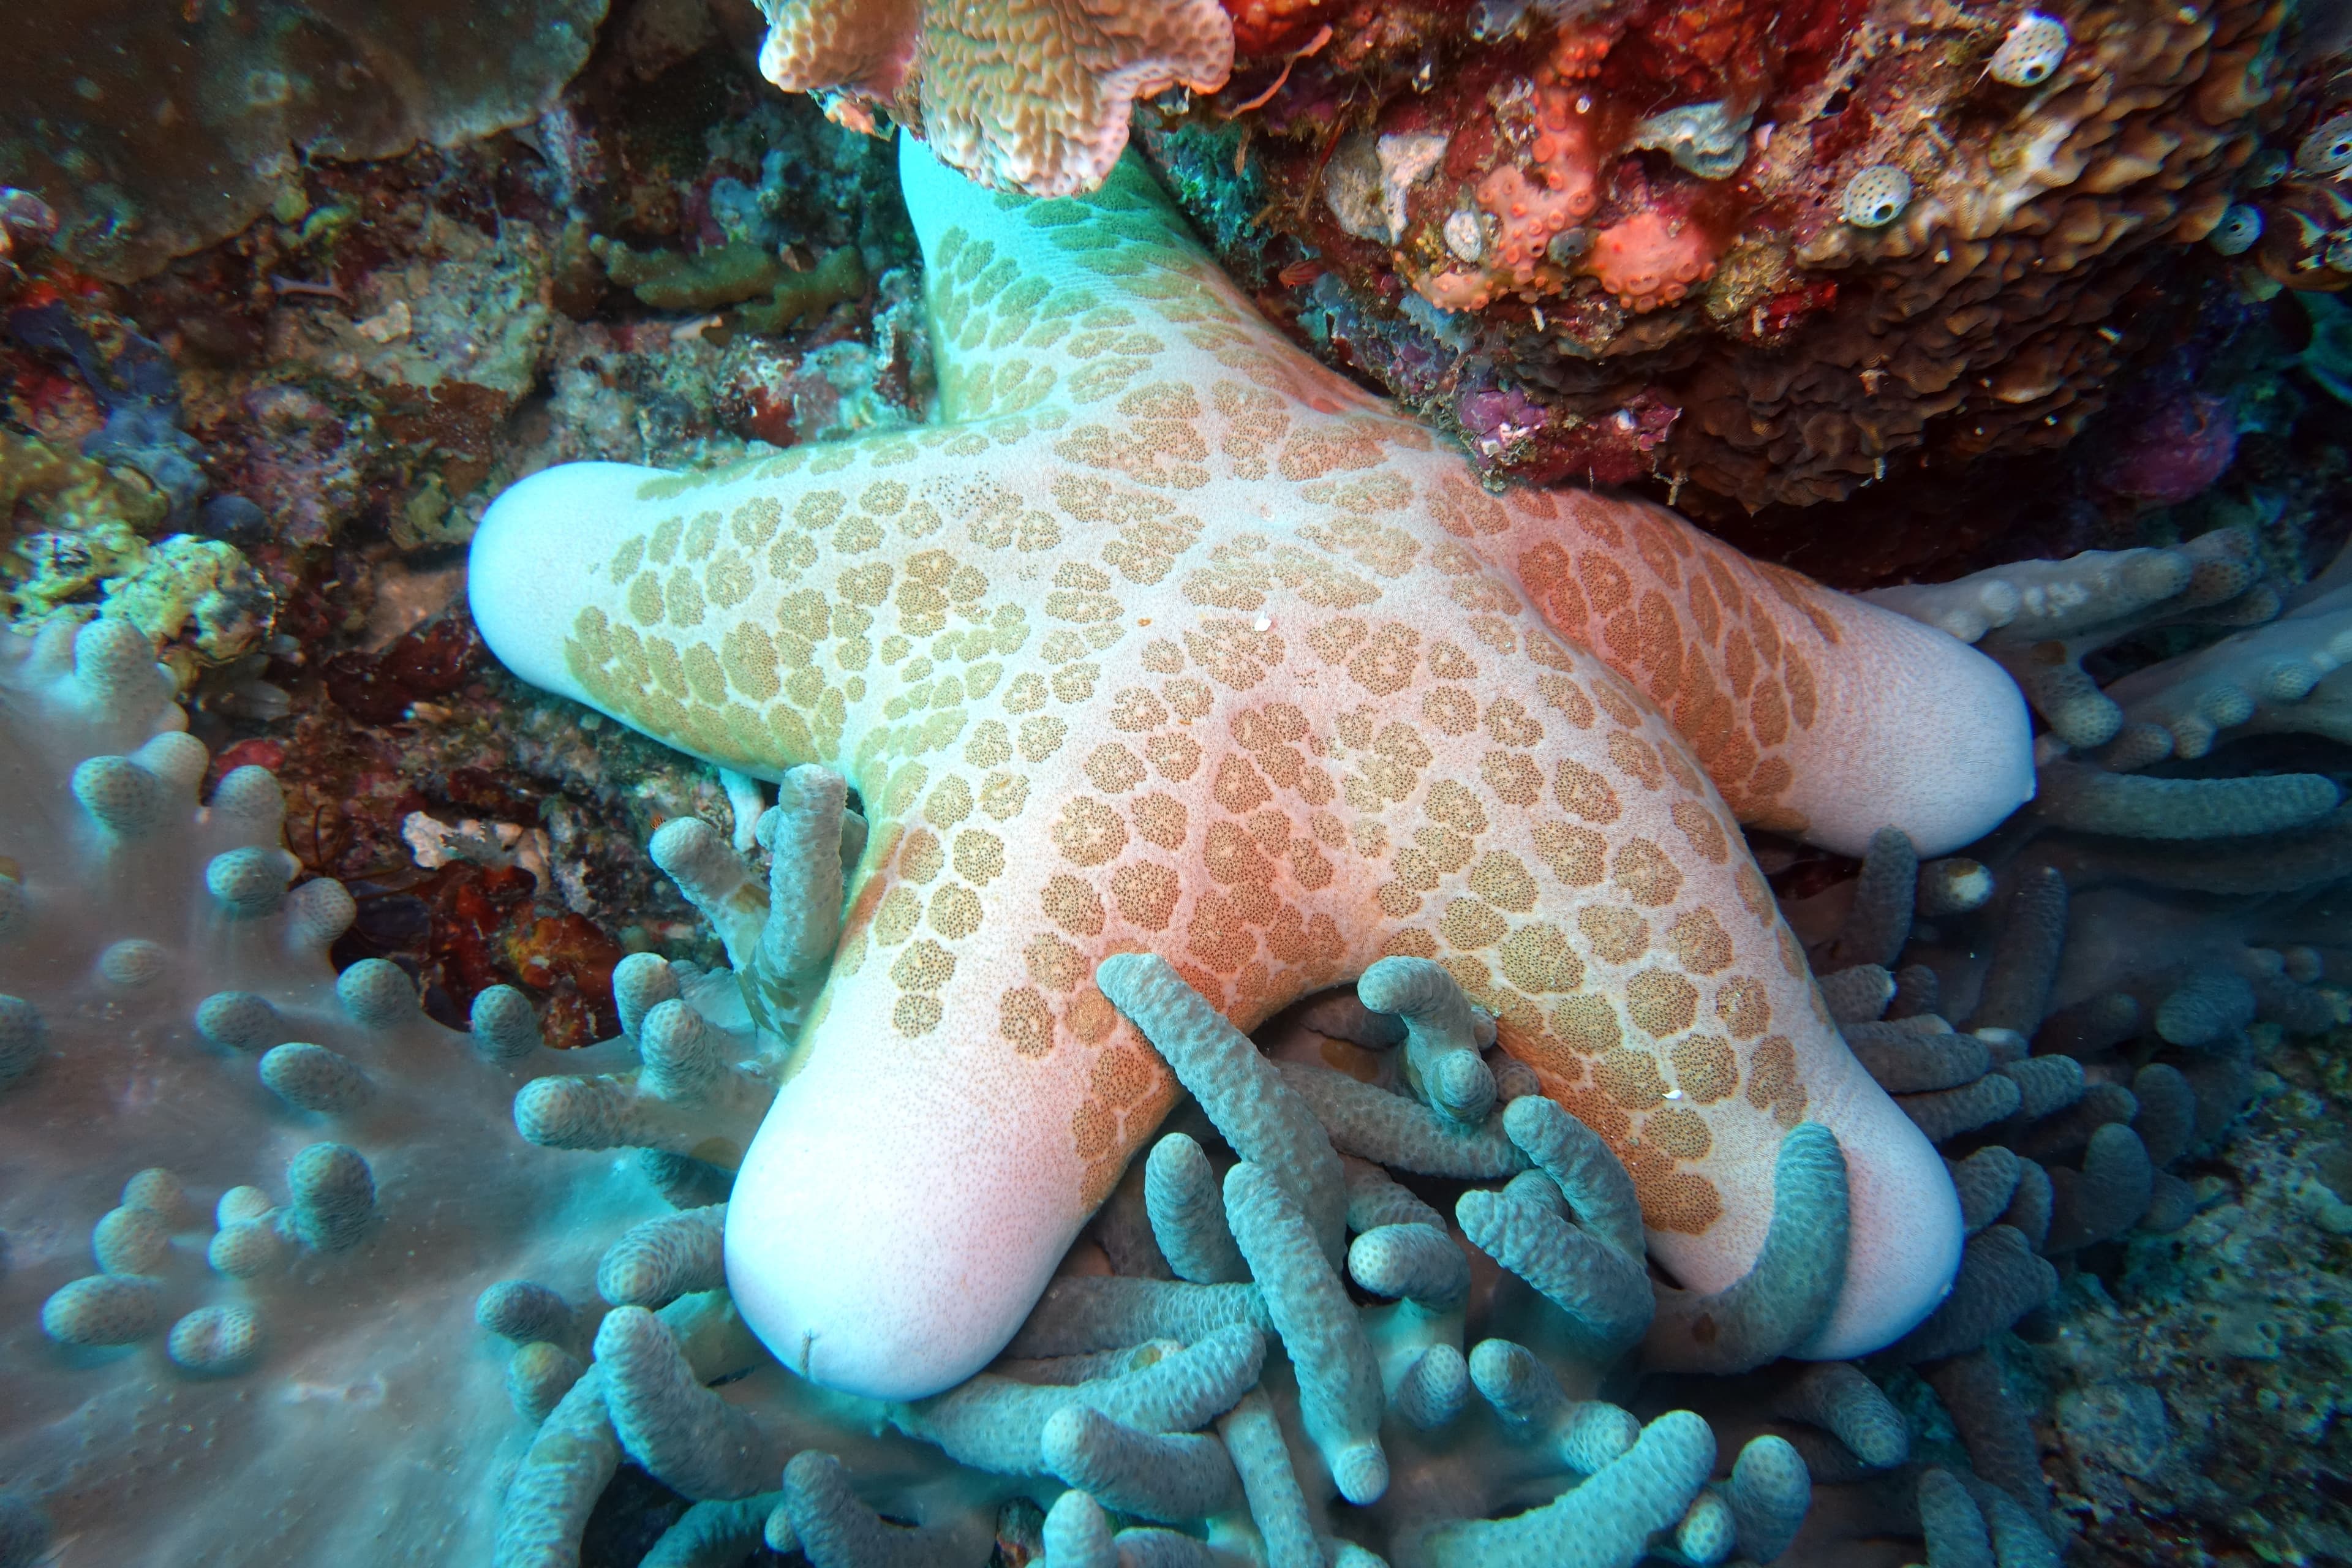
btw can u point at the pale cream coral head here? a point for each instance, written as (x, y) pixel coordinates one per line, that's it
(1172, 640)
(1029, 95)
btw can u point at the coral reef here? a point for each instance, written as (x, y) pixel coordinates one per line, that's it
(759, 619)
(1836, 244)
(276, 1299)
(2137, 1098)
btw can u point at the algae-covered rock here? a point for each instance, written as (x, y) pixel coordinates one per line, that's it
(200, 590)
(739, 273)
(154, 133)
(70, 523)
(77, 541)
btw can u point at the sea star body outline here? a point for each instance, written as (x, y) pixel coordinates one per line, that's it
(1168, 639)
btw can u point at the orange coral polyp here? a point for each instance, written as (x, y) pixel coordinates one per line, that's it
(1575, 57)
(1652, 260)
(1527, 213)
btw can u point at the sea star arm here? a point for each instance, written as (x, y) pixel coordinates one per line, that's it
(1814, 713)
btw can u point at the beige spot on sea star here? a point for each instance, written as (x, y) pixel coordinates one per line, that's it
(1585, 793)
(1503, 880)
(1704, 1068)
(1661, 1002)
(1114, 769)
(1468, 923)
(1619, 936)
(1700, 826)
(1159, 818)
(1698, 939)
(1744, 1007)
(1589, 1023)
(1025, 1021)
(1646, 873)
(1073, 906)
(1577, 855)
(1146, 894)
(1537, 958)
(979, 855)
(1090, 833)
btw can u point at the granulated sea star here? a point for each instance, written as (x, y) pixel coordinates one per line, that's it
(1168, 639)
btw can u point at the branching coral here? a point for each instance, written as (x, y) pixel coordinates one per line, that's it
(2113, 958)
(1262, 1407)
(1114, 1385)
(2055, 1154)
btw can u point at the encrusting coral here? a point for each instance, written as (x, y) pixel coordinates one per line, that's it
(1222, 732)
(1773, 252)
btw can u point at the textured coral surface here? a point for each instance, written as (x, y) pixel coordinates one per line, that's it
(1837, 240)
(1029, 95)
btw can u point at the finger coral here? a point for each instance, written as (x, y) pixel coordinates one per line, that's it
(1180, 1402)
(1084, 718)
(2105, 1037)
(1131, 1391)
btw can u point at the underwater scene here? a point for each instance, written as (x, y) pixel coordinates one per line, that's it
(1176, 784)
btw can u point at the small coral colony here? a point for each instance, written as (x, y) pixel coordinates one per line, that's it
(1210, 784)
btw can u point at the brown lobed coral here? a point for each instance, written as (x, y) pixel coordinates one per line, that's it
(1826, 238)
